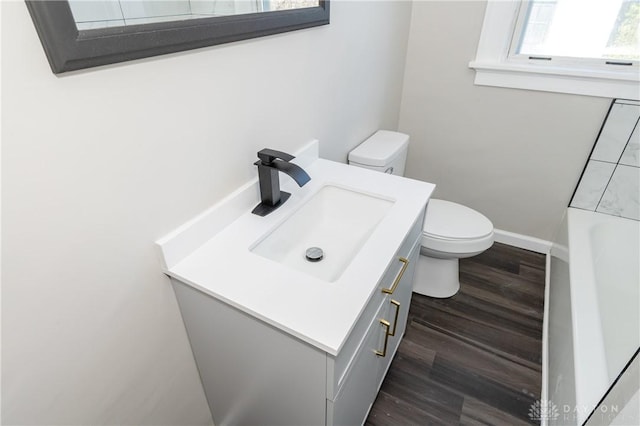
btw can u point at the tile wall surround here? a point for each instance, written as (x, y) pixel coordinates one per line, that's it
(610, 182)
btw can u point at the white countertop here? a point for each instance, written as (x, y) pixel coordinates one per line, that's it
(318, 312)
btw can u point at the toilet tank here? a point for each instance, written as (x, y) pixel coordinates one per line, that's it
(384, 151)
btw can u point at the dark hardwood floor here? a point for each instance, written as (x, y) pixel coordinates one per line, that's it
(474, 358)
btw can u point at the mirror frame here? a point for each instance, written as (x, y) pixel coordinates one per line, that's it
(68, 49)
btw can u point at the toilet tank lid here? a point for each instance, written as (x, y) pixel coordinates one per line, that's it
(380, 149)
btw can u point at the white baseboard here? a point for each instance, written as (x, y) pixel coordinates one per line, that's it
(544, 392)
(522, 241)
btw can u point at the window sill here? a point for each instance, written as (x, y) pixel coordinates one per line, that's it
(606, 84)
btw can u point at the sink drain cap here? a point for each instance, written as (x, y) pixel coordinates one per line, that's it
(314, 254)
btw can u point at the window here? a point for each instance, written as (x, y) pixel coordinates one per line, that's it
(587, 47)
(598, 31)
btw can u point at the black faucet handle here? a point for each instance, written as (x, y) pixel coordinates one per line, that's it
(267, 155)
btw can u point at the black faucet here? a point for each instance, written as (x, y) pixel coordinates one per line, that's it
(270, 164)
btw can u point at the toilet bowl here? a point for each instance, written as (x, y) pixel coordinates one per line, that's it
(451, 231)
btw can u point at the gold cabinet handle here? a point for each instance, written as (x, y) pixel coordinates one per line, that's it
(395, 321)
(405, 263)
(383, 353)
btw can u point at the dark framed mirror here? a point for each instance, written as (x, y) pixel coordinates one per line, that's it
(68, 48)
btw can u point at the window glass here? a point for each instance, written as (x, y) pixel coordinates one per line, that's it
(594, 29)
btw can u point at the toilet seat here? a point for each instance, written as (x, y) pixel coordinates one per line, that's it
(455, 229)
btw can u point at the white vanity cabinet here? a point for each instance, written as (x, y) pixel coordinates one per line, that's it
(355, 375)
(255, 373)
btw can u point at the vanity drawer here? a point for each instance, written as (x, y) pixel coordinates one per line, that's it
(339, 367)
(357, 393)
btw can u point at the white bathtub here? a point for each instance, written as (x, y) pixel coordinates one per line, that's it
(593, 304)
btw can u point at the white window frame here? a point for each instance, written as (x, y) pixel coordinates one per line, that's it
(495, 67)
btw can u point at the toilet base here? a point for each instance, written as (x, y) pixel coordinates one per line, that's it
(436, 277)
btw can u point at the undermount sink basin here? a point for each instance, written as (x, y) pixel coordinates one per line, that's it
(337, 220)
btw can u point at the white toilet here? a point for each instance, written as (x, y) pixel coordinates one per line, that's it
(451, 231)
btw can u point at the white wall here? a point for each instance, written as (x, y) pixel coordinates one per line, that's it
(98, 164)
(514, 155)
